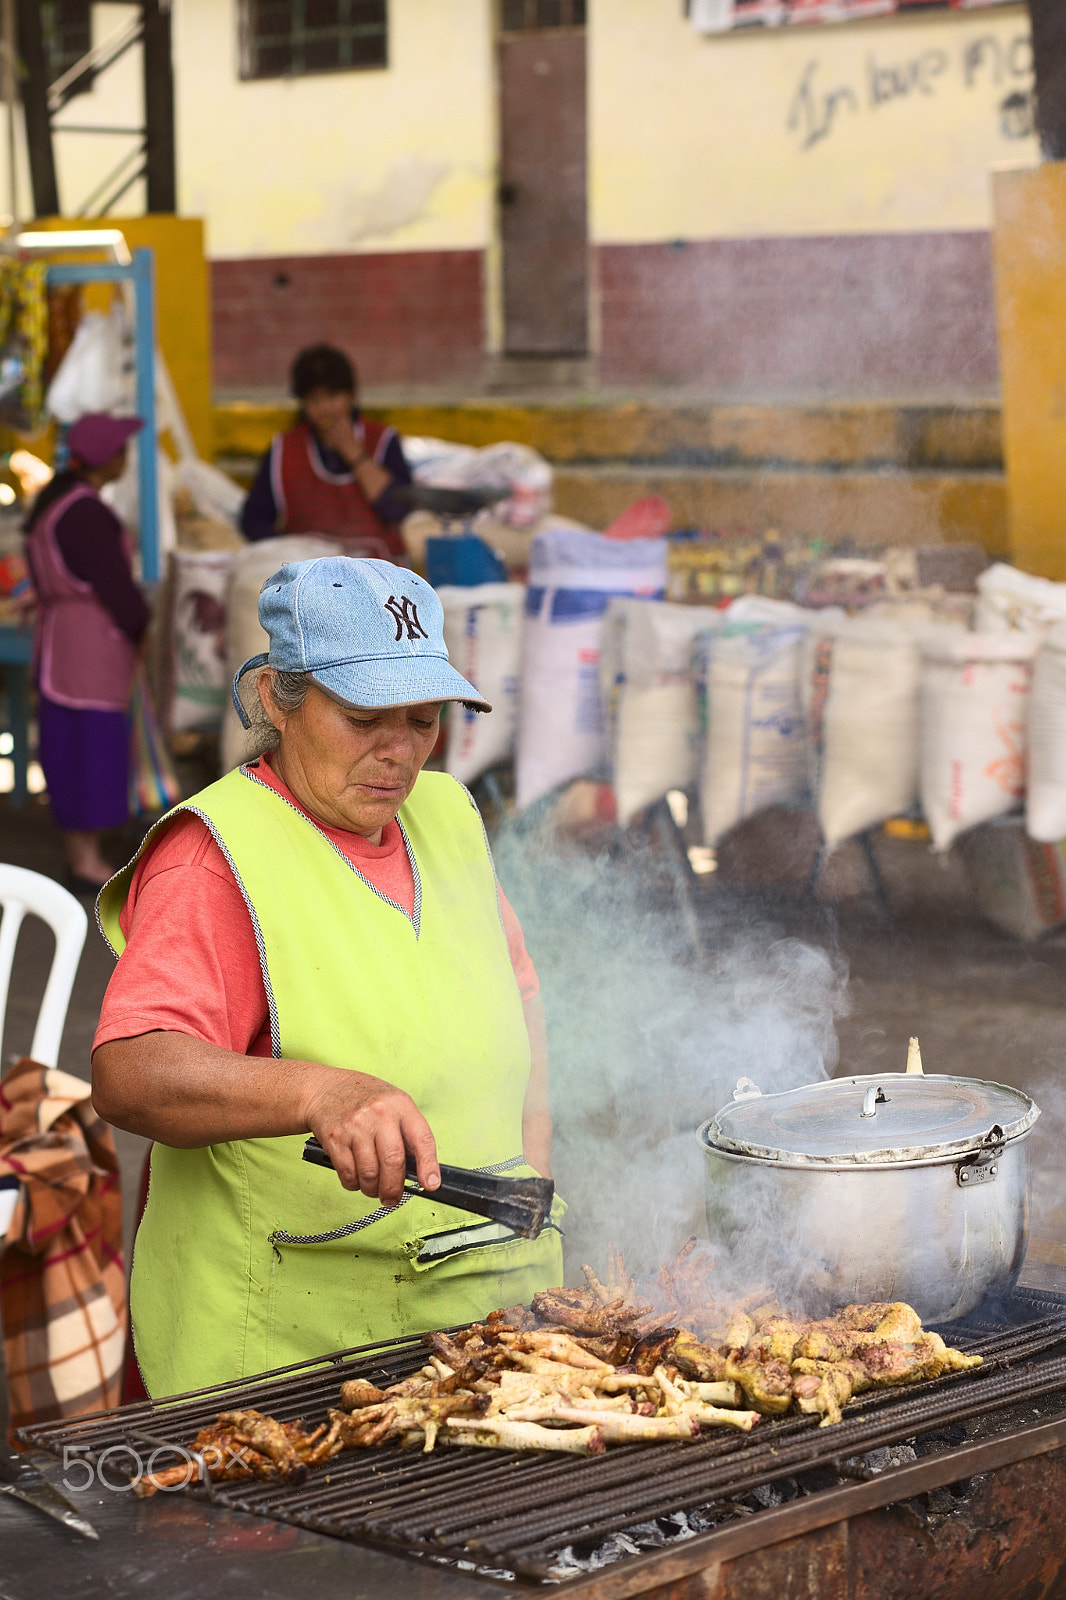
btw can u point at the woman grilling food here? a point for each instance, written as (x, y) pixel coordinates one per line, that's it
(317, 944)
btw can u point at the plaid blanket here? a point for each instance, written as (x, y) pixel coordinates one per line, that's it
(62, 1281)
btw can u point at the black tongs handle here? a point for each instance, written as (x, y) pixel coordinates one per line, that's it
(522, 1204)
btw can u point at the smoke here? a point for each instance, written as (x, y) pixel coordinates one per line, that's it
(647, 1041)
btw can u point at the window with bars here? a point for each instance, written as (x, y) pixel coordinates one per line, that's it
(290, 38)
(67, 32)
(537, 16)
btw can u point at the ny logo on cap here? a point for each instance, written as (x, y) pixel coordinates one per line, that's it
(404, 613)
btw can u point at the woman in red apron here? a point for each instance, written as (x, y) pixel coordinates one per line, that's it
(91, 620)
(335, 473)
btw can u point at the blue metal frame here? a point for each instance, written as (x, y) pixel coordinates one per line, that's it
(141, 273)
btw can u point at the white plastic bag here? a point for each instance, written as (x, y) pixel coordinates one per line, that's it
(755, 745)
(97, 371)
(974, 704)
(1009, 599)
(249, 570)
(861, 695)
(572, 576)
(517, 469)
(1045, 805)
(483, 632)
(647, 680)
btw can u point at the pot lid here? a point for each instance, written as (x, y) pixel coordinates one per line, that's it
(870, 1121)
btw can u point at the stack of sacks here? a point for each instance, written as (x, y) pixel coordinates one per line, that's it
(755, 741)
(646, 677)
(572, 576)
(861, 692)
(975, 693)
(1018, 870)
(483, 632)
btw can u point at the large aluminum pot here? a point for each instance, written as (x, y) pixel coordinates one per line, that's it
(900, 1187)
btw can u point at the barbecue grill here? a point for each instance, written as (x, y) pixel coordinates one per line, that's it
(645, 1519)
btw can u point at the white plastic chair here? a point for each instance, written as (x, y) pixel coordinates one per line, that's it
(22, 891)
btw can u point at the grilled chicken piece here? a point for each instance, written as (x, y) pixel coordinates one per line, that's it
(826, 1386)
(582, 1311)
(358, 1392)
(778, 1337)
(653, 1349)
(766, 1383)
(466, 1364)
(890, 1319)
(269, 1438)
(556, 1345)
(501, 1433)
(694, 1359)
(738, 1331)
(613, 1427)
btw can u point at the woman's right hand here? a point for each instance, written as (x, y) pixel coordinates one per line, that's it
(367, 1127)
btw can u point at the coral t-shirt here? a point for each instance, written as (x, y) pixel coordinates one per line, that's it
(191, 963)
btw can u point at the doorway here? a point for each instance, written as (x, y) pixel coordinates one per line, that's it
(542, 190)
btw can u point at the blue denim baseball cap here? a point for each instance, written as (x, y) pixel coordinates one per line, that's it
(368, 632)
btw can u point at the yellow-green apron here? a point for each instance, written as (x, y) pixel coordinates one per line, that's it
(246, 1257)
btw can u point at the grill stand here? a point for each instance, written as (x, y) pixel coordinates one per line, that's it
(1004, 1537)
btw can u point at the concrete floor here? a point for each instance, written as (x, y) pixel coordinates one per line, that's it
(983, 1004)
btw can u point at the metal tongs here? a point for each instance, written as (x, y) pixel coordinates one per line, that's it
(521, 1204)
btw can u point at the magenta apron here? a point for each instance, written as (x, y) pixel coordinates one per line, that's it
(84, 660)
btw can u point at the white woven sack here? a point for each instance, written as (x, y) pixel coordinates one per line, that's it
(1045, 804)
(1008, 600)
(483, 632)
(649, 690)
(196, 639)
(244, 637)
(572, 577)
(861, 693)
(755, 746)
(974, 712)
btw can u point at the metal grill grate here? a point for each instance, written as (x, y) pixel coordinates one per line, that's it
(516, 1511)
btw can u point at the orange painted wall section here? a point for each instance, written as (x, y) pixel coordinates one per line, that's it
(1030, 270)
(183, 305)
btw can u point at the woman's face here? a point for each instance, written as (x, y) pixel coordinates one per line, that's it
(351, 767)
(326, 408)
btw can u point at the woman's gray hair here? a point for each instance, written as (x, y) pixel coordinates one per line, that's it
(288, 690)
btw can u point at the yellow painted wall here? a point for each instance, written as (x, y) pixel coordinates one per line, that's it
(1030, 265)
(886, 125)
(382, 159)
(183, 307)
(877, 126)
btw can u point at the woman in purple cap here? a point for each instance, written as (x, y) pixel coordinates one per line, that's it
(91, 620)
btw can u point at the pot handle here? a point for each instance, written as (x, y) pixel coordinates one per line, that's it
(875, 1096)
(746, 1090)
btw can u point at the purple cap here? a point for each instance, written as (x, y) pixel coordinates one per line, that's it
(96, 437)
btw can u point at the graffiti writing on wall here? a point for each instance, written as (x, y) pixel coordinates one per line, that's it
(1000, 68)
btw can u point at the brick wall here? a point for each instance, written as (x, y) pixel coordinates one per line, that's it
(408, 318)
(873, 315)
(856, 316)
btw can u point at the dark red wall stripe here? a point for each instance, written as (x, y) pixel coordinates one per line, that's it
(867, 315)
